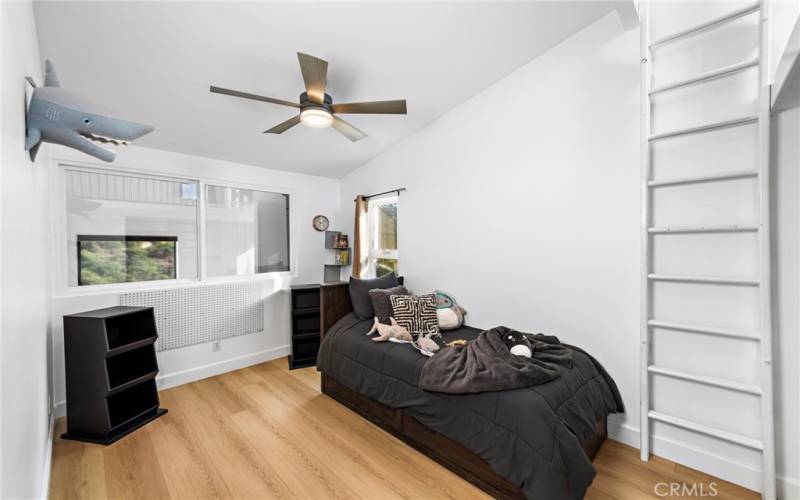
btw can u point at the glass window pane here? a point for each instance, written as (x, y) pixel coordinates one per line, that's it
(386, 266)
(382, 223)
(247, 231)
(106, 259)
(123, 227)
(387, 226)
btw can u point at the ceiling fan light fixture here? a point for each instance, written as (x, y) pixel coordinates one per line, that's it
(316, 106)
(316, 117)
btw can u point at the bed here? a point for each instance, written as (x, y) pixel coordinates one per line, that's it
(536, 442)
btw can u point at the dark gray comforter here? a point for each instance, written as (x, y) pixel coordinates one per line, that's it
(485, 364)
(532, 436)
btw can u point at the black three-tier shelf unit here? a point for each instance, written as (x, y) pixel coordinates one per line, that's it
(305, 326)
(111, 369)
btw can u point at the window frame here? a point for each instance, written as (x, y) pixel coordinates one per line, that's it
(60, 255)
(375, 252)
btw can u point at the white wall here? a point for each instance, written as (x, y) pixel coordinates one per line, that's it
(786, 289)
(310, 195)
(524, 203)
(782, 18)
(24, 276)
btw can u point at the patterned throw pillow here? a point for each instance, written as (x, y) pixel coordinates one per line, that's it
(417, 314)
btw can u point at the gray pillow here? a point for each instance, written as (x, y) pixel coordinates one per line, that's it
(359, 293)
(381, 304)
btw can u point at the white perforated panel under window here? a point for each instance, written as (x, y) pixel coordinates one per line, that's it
(195, 315)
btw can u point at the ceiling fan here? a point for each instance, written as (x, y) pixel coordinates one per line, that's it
(316, 107)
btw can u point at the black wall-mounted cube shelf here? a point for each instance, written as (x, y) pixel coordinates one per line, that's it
(341, 256)
(111, 367)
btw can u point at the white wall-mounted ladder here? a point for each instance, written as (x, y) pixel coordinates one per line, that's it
(759, 173)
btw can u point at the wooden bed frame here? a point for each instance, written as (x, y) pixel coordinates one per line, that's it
(335, 303)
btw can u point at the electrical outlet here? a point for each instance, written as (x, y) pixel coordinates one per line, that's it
(216, 346)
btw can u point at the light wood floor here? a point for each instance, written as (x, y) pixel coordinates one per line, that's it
(266, 432)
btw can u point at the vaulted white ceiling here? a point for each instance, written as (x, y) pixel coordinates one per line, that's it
(154, 61)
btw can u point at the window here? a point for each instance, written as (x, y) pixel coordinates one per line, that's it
(247, 231)
(121, 208)
(382, 220)
(107, 259)
(123, 228)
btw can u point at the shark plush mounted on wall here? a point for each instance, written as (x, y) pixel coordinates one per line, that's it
(59, 117)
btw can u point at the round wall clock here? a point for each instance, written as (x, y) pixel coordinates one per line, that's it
(320, 223)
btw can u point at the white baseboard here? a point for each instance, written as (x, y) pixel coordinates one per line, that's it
(47, 463)
(623, 433)
(702, 460)
(175, 379)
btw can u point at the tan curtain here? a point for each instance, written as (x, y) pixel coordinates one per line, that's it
(360, 244)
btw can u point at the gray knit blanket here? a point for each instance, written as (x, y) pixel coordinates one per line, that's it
(485, 364)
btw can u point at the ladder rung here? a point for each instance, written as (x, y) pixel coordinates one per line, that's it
(741, 174)
(702, 379)
(719, 332)
(709, 431)
(702, 229)
(708, 76)
(703, 279)
(719, 21)
(705, 128)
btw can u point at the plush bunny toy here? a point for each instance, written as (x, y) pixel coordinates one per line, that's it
(518, 344)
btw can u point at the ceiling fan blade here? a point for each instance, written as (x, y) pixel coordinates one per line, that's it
(283, 127)
(245, 95)
(315, 75)
(397, 107)
(347, 130)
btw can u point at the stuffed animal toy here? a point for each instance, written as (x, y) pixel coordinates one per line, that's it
(59, 117)
(449, 314)
(390, 331)
(426, 344)
(518, 344)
